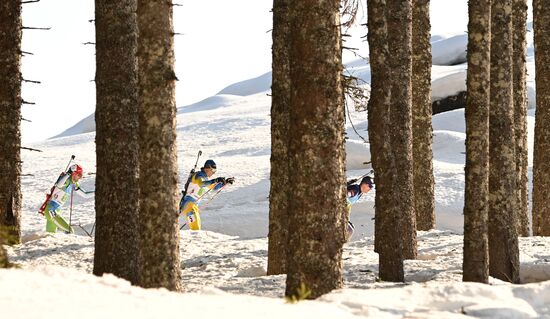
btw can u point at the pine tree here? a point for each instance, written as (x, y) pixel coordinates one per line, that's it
(10, 119)
(519, 25)
(476, 194)
(316, 152)
(117, 188)
(399, 17)
(541, 156)
(279, 196)
(378, 121)
(424, 200)
(158, 214)
(503, 241)
(4, 262)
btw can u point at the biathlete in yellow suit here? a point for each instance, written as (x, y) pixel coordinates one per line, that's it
(199, 185)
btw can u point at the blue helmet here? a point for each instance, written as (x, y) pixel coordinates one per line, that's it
(210, 164)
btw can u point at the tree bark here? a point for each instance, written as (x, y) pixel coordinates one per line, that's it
(378, 119)
(541, 156)
(519, 25)
(116, 117)
(4, 262)
(476, 193)
(318, 209)
(279, 195)
(159, 235)
(503, 241)
(10, 120)
(424, 200)
(399, 17)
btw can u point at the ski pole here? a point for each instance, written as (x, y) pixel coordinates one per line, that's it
(71, 207)
(211, 198)
(206, 204)
(208, 191)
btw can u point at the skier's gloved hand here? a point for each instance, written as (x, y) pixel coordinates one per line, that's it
(220, 180)
(230, 180)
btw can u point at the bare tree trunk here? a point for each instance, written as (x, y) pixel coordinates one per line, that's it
(424, 200)
(10, 120)
(399, 17)
(4, 262)
(279, 196)
(476, 194)
(159, 236)
(519, 25)
(503, 241)
(391, 248)
(541, 160)
(316, 153)
(378, 120)
(117, 188)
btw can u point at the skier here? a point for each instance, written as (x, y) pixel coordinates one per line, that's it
(199, 185)
(61, 192)
(355, 191)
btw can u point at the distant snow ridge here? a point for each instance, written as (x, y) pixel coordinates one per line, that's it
(248, 87)
(86, 125)
(210, 103)
(448, 79)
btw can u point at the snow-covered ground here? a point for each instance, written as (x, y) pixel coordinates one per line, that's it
(224, 265)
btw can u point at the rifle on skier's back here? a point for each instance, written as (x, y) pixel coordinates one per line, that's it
(49, 194)
(191, 173)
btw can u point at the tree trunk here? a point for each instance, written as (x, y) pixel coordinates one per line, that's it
(10, 120)
(424, 200)
(116, 117)
(279, 196)
(519, 24)
(399, 17)
(316, 153)
(541, 156)
(476, 191)
(503, 241)
(378, 121)
(4, 262)
(158, 215)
